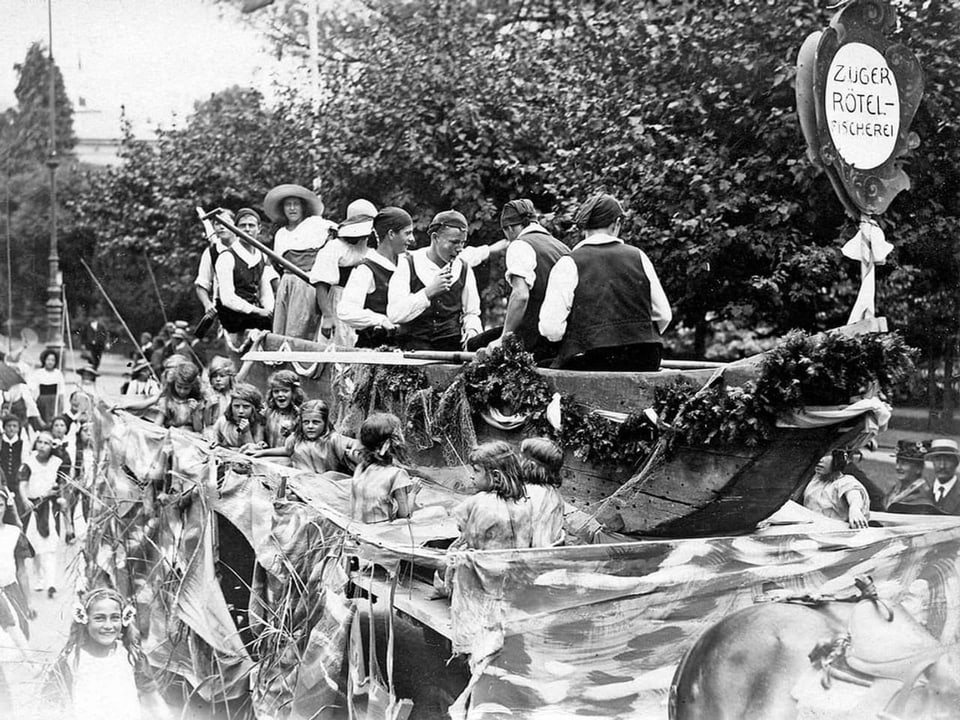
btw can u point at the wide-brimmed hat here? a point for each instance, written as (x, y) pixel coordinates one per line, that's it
(912, 449)
(359, 220)
(942, 446)
(273, 202)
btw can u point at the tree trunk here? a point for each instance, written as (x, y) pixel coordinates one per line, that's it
(700, 331)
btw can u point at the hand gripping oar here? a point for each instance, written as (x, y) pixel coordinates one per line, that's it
(287, 265)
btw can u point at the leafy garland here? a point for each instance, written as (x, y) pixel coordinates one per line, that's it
(802, 370)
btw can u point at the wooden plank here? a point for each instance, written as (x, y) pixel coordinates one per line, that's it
(359, 357)
(413, 598)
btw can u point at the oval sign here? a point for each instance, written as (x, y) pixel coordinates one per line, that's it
(862, 106)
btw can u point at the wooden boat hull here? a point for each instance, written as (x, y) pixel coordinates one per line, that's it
(696, 491)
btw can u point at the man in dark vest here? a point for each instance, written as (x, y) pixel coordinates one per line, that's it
(244, 279)
(531, 255)
(604, 302)
(363, 305)
(433, 294)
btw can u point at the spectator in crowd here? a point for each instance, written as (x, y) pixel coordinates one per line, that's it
(911, 493)
(604, 303)
(944, 456)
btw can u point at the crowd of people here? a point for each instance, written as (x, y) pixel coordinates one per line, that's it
(599, 305)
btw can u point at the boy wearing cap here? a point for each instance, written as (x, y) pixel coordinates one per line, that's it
(531, 254)
(363, 305)
(433, 293)
(245, 281)
(944, 455)
(604, 303)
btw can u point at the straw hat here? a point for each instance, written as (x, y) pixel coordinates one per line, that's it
(943, 447)
(273, 202)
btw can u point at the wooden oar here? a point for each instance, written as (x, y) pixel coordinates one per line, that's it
(287, 265)
(412, 357)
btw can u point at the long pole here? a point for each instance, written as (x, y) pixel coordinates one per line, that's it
(117, 313)
(9, 269)
(216, 217)
(156, 288)
(54, 304)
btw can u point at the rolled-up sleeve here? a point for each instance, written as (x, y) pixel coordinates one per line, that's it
(470, 299)
(660, 311)
(558, 299)
(521, 260)
(403, 305)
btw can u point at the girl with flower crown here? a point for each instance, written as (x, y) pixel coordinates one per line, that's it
(102, 671)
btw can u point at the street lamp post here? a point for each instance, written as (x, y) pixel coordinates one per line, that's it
(55, 285)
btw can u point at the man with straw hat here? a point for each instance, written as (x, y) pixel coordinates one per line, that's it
(944, 455)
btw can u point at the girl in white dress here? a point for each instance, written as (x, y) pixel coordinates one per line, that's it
(102, 671)
(41, 482)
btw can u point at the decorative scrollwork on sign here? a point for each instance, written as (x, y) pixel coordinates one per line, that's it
(866, 92)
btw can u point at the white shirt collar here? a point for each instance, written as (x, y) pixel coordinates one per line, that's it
(947, 486)
(380, 260)
(533, 227)
(598, 239)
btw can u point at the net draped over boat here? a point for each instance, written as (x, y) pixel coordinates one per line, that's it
(593, 629)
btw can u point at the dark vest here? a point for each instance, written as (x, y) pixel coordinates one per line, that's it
(437, 327)
(611, 305)
(11, 457)
(377, 302)
(246, 280)
(548, 250)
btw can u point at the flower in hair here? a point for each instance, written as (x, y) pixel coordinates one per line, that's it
(128, 614)
(80, 614)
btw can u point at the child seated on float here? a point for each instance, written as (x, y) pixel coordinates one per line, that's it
(381, 489)
(284, 398)
(313, 446)
(179, 404)
(499, 515)
(217, 398)
(835, 494)
(241, 426)
(541, 461)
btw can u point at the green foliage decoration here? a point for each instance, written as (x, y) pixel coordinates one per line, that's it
(803, 370)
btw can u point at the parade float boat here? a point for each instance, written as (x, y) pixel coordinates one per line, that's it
(691, 450)
(594, 628)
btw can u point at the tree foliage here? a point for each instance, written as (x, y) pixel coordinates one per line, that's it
(684, 110)
(25, 198)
